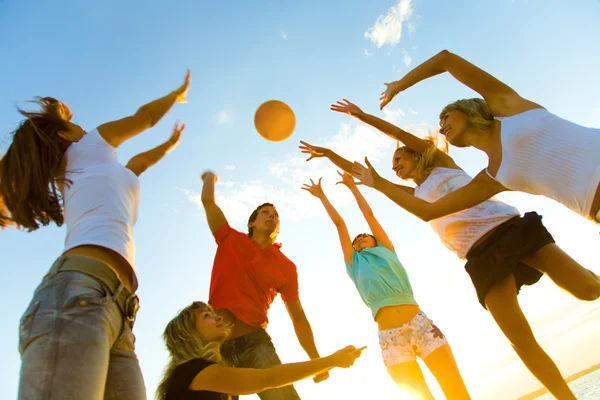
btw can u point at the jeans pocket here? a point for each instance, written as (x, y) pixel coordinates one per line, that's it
(26, 324)
(84, 291)
(35, 324)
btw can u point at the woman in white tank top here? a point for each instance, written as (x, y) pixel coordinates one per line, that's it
(529, 149)
(75, 338)
(503, 250)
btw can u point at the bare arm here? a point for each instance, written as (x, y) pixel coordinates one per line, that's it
(480, 189)
(408, 139)
(302, 328)
(214, 214)
(145, 160)
(367, 212)
(501, 98)
(117, 132)
(336, 218)
(240, 381)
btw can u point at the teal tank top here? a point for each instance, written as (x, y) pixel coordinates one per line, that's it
(380, 278)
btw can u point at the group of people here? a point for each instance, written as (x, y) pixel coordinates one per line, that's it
(75, 337)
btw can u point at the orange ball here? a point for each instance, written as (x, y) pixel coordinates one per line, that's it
(274, 120)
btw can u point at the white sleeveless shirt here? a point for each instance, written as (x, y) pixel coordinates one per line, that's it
(101, 204)
(460, 231)
(546, 155)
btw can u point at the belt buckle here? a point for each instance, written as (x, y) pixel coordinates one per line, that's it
(132, 305)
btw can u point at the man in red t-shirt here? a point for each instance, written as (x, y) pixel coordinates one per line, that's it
(248, 272)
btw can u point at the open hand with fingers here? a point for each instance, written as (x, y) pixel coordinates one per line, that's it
(314, 151)
(391, 90)
(181, 91)
(346, 107)
(366, 175)
(347, 179)
(314, 188)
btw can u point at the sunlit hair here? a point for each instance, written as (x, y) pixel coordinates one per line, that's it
(29, 170)
(184, 343)
(362, 235)
(426, 160)
(479, 115)
(254, 215)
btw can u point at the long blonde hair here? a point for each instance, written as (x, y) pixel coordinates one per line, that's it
(184, 343)
(478, 112)
(426, 160)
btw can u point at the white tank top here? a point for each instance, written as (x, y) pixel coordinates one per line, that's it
(460, 231)
(546, 155)
(101, 204)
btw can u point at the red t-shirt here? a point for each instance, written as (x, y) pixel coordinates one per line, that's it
(245, 278)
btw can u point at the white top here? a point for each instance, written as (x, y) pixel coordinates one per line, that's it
(460, 231)
(550, 156)
(101, 204)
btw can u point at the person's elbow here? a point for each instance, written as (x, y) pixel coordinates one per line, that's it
(145, 118)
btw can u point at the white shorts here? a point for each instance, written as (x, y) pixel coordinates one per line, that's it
(417, 338)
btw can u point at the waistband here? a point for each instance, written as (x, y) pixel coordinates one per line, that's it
(127, 302)
(258, 336)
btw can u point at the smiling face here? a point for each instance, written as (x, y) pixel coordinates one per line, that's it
(453, 125)
(404, 163)
(210, 326)
(264, 220)
(363, 241)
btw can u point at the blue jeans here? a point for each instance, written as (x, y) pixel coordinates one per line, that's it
(75, 343)
(256, 350)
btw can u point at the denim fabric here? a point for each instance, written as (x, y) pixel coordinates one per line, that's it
(76, 344)
(256, 350)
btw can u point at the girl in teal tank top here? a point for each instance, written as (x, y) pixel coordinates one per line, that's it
(405, 332)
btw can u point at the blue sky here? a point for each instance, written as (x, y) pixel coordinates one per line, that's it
(107, 58)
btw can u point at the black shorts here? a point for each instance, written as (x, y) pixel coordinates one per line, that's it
(500, 254)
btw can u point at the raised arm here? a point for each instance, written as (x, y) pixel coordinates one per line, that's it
(316, 190)
(342, 163)
(140, 163)
(367, 212)
(480, 189)
(241, 381)
(501, 98)
(408, 139)
(117, 132)
(214, 215)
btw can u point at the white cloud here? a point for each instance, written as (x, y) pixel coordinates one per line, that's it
(412, 112)
(229, 167)
(393, 116)
(368, 53)
(283, 35)
(388, 27)
(406, 58)
(222, 117)
(282, 185)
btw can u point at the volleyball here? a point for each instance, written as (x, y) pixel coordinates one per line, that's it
(274, 120)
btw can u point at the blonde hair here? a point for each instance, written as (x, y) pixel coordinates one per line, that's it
(184, 343)
(426, 160)
(478, 112)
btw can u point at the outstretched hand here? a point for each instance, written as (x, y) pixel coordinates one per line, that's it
(346, 107)
(347, 179)
(366, 175)
(314, 151)
(176, 135)
(314, 188)
(345, 357)
(181, 92)
(391, 90)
